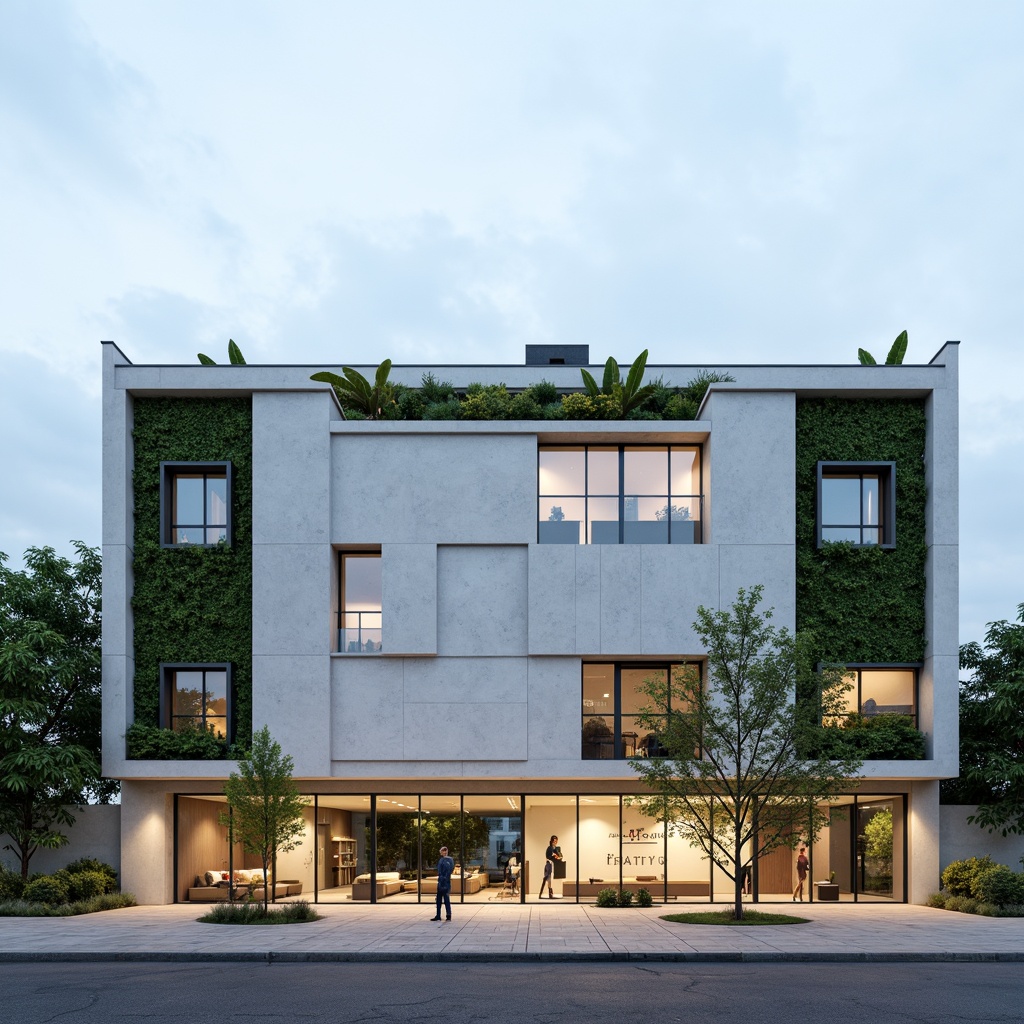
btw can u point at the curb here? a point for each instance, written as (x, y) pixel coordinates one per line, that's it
(271, 957)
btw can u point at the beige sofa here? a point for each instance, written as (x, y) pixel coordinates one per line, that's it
(473, 883)
(388, 883)
(656, 887)
(214, 887)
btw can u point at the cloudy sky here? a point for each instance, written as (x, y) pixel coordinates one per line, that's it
(446, 181)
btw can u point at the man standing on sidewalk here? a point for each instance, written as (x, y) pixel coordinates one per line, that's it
(445, 867)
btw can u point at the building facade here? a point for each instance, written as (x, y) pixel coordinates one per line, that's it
(445, 622)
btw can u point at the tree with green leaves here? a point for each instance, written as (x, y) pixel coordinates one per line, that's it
(895, 356)
(992, 729)
(266, 809)
(399, 837)
(733, 780)
(49, 697)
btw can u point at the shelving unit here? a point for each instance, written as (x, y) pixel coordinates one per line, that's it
(343, 859)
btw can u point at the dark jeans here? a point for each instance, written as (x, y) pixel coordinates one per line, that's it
(444, 895)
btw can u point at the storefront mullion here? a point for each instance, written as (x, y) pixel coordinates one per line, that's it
(377, 848)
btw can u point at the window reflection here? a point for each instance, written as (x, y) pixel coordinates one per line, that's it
(629, 494)
(361, 604)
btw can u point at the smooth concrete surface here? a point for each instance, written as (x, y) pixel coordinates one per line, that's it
(959, 840)
(533, 931)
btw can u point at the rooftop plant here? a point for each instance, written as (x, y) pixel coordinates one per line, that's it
(355, 391)
(895, 356)
(235, 356)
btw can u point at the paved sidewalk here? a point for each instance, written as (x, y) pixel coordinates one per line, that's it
(530, 932)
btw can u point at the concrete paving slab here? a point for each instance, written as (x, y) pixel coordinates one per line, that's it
(845, 932)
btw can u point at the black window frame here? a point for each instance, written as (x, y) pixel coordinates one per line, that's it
(619, 750)
(886, 474)
(358, 553)
(861, 667)
(697, 525)
(167, 679)
(168, 472)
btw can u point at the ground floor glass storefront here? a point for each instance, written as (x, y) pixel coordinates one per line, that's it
(376, 848)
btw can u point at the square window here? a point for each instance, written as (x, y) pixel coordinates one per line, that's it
(197, 697)
(881, 690)
(613, 700)
(857, 503)
(195, 504)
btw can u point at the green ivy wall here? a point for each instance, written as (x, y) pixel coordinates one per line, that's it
(863, 604)
(192, 604)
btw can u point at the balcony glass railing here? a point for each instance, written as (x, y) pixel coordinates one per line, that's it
(360, 633)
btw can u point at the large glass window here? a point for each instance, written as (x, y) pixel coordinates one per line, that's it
(619, 494)
(361, 601)
(195, 503)
(882, 691)
(613, 699)
(196, 697)
(862, 854)
(856, 503)
(359, 849)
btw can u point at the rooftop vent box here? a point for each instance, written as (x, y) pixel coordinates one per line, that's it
(557, 355)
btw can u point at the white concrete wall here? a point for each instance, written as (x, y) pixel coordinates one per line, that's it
(292, 568)
(959, 840)
(454, 488)
(939, 683)
(95, 833)
(118, 663)
(751, 498)
(147, 841)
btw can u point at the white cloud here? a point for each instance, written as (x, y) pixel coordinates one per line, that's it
(448, 181)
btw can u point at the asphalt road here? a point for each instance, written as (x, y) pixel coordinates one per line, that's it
(112, 993)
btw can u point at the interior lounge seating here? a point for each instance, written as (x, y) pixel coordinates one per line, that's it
(217, 886)
(656, 886)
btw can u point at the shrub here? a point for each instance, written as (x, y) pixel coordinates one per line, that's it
(84, 885)
(962, 904)
(11, 885)
(958, 877)
(987, 910)
(434, 391)
(447, 410)
(253, 913)
(644, 898)
(49, 889)
(999, 885)
(937, 900)
(93, 864)
(524, 407)
(578, 406)
(486, 402)
(149, 743)
(410, 403)
(111, 901)
(625, 898)
(681, 407)
(543, 392)
(1012, 910)
(870, 737)
(607, 898)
